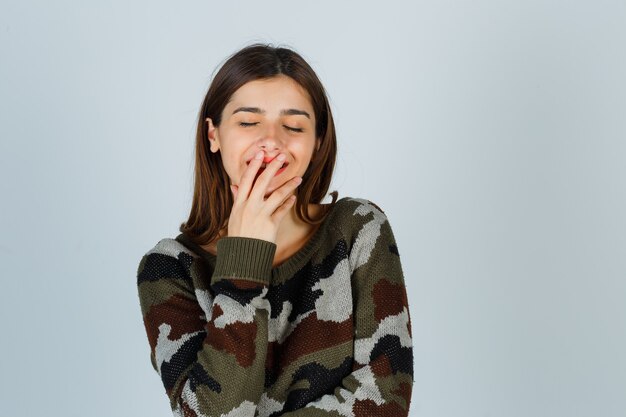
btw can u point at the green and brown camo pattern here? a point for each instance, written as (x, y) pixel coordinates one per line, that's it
(326, 333)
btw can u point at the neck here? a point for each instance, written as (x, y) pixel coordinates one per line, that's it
(292, 232)
(291, 224)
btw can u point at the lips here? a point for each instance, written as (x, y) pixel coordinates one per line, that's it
(266, 161)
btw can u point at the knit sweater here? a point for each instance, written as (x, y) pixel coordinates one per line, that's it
(325, 333)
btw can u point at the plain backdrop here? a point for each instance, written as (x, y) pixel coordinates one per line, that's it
(491, 132)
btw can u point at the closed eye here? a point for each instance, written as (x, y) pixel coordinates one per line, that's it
(294, 129)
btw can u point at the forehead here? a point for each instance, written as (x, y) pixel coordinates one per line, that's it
(270, 94)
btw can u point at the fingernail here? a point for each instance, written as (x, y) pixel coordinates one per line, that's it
(259, 155)
(281, 157)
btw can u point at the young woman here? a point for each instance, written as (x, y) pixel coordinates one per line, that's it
(269, 303)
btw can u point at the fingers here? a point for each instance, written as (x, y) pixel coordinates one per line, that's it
(248, 188)
(260, 187)
(247, 179)
(279, 195)
(283, 209)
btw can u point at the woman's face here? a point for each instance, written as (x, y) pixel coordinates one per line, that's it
(274, 115)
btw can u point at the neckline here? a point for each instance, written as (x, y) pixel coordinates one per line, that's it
(289, 266)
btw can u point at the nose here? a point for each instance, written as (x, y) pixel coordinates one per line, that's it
(270, 142)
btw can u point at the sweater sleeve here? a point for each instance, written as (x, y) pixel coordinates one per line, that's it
(208, 345)
(381, 381)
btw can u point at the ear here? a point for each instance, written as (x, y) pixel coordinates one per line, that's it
(318, 142)
(213, 136)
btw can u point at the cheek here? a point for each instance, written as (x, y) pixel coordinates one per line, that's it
(231, 160)
(303, 146)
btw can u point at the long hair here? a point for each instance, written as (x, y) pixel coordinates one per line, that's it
(212, 200)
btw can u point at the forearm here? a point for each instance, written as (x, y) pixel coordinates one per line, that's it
(210, 363)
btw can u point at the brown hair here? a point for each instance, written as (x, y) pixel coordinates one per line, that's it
(212, 198)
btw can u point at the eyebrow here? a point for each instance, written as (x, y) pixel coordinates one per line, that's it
(285, 112)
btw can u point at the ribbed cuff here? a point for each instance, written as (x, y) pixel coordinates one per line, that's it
(244, 258)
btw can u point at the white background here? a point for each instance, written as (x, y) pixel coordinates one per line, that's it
(492, 133)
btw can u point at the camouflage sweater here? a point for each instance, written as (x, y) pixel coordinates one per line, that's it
(325, 333)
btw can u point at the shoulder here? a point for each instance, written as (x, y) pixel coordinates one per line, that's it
(361, 206)
(170, 247)
(357, 204)
(168, 257)
(369, 236)
(353, 215)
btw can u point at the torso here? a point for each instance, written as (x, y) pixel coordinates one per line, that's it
(296, 240)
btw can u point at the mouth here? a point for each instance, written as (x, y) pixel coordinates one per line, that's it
(266, 162)
(264, 165)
